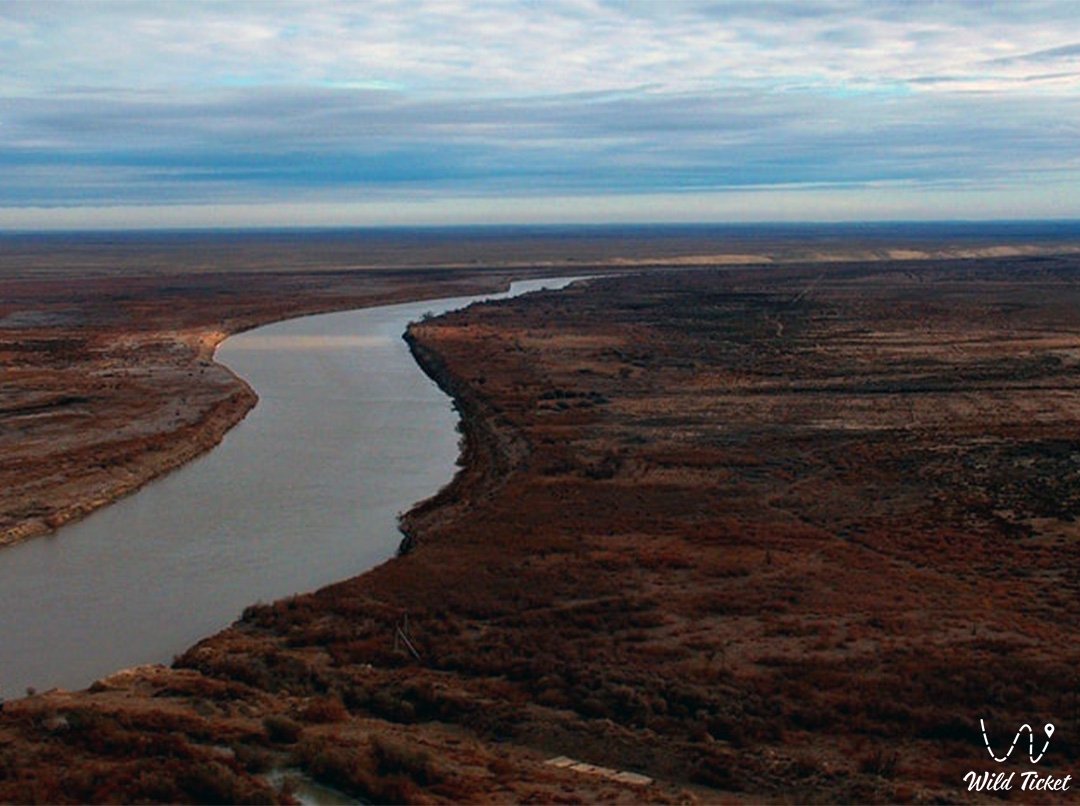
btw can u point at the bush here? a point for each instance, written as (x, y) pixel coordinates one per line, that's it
(281, 729)
(323, 710)
(393, 758)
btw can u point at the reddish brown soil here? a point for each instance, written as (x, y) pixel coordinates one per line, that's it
(766, 534)
(108, 381)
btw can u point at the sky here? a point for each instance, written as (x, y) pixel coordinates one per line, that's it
(166, 114)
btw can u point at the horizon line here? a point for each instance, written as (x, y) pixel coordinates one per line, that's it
(536, 226)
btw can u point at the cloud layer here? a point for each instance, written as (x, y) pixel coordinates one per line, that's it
(772, 110)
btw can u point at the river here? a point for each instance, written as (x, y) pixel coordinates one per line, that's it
(347, 434)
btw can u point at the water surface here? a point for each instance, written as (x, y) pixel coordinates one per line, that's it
(305, 491)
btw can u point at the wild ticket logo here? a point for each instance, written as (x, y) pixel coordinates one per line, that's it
(1030, 781)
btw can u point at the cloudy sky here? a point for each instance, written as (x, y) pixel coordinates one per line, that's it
(466, 111)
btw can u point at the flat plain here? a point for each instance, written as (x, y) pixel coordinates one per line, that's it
(747, 532)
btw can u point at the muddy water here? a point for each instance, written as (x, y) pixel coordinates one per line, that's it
(348, 433)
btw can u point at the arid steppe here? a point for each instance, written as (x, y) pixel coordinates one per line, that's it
(779, 533)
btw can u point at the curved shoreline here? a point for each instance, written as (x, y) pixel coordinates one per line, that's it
(226, 416)
(168, 451)
(666, 584)
(485, 455)
(283, 506)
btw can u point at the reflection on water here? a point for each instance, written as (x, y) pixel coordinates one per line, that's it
(305, 491)
(257, 340)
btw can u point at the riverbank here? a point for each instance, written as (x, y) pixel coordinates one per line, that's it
(107, 340)
(765, 536)
(250, 521)
(110, 382)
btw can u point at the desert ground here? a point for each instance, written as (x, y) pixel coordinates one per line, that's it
(731, 533)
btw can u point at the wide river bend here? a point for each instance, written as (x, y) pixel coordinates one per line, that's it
(347, 434)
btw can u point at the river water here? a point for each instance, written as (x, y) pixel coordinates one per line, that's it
(348, 433)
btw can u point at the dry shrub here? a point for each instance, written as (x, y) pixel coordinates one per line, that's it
(388, 771)
(395, 758)
(281, 729)
(322, 710)
(879, 761)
